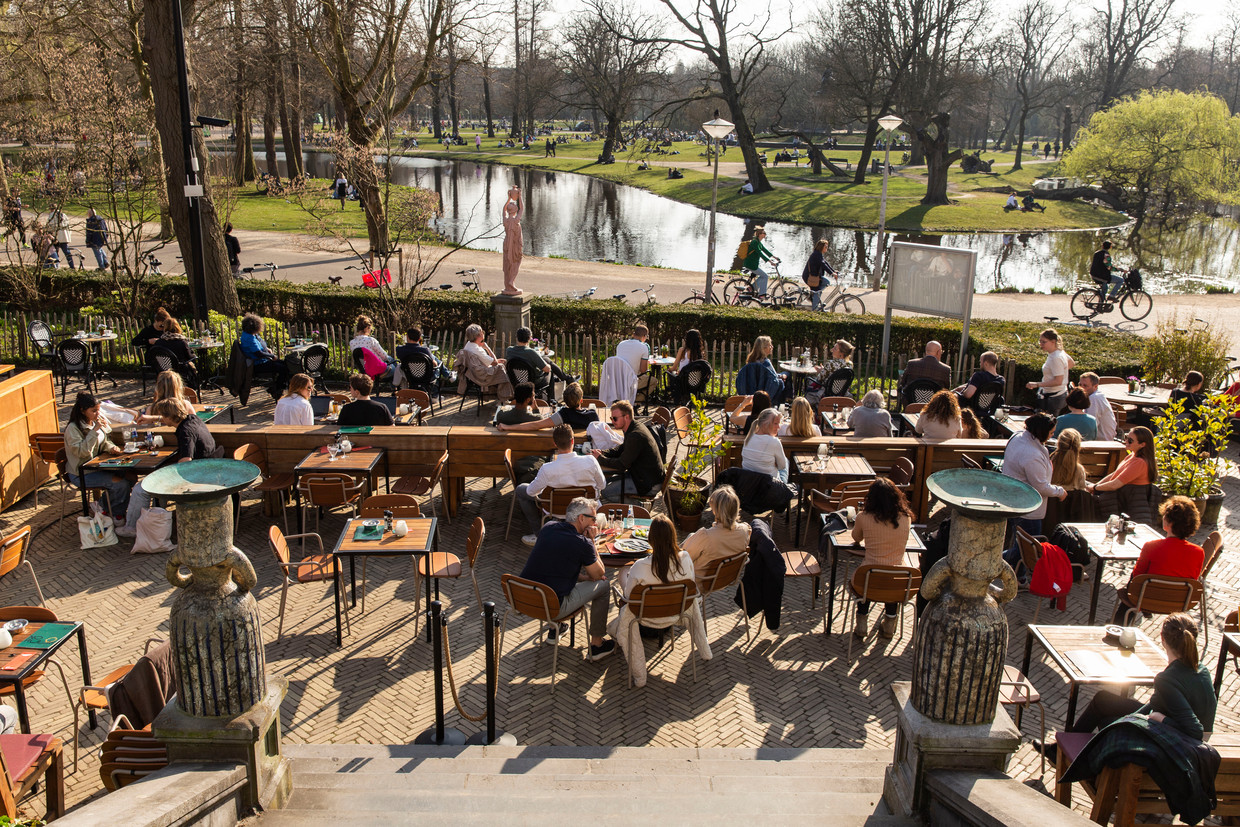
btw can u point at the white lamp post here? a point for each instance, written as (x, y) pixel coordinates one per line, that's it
(889, 124)
(717, 129)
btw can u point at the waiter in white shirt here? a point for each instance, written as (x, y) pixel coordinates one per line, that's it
(566, 470)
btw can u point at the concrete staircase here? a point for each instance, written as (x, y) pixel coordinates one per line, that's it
(381, 785)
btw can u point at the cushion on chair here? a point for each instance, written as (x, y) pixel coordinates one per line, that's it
(444, 564)
(1072, 743)
(21, 752)
(801, 564)
(321, 570)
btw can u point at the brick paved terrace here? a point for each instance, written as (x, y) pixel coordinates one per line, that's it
(790, 688)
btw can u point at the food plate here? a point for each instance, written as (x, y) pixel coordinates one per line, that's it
(632, 546)
(16, 625)
(641, 533)
(371, 522)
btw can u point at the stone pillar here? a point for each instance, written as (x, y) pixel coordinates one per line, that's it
(227, 708)
(511, 312)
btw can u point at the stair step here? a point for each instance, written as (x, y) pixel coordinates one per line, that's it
(540, 753)
(552, 817)
(676, 767)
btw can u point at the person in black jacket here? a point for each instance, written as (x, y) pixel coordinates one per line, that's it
(173, 339)
(150, 334)
(817, 272)
(638, 456)
(363, 410)
(233, 246)
(97, 237)
(1103, 271)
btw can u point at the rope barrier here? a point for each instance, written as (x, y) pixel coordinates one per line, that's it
(456, 699)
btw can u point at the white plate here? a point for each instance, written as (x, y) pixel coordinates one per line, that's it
(632, 546)
(132, 450)
(371, 522)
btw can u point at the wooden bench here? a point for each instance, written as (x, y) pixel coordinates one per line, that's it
(841, 162)
(478, 451)
(1128, 790)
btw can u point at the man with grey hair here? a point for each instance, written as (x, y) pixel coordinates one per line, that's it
(1099, 408)
(564, 558)
(928, 367)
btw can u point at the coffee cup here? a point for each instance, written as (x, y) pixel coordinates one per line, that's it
(400, 528)
(6, 639)
(1128, 638)
(81, 334)
(159, 441)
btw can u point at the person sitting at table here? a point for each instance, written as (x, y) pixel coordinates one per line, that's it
(971, 426)
(636, 351)
(940, 419)
(168, 385)
(883, 525)
(758, 373)
(1129, 488)
(415, 346)
(380, 365)
(548, 372)
(749, 409)
(150, 334)
(666, 563)
(871, 418)
(800, 420)
(572, 414)
(363, 411)
(293, 408)
(1172, 556)
(265, 362)
(1066, 469)
(477, 362)
(841, 357)
(762, 451)
(691, 350)
(726, 537)
(1190, 392)
(520, 412)
(1025, 459)
(1077, 419)
(927, 367)
(638, 457)
(988, 374)
(567, 469)
(86, 437)
(565, 559)
(173, 339)
(1183, 692)
(1099, 407)
(194, 441)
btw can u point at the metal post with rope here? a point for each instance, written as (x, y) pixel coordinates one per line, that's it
(490, 631)
(439, 734)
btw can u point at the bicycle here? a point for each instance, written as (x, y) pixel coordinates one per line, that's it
(737, 298)
(649, 291)
(470, 282)
(574, 295)
(839, 300)
(248, 272)
(777, 285)
(1091, 300)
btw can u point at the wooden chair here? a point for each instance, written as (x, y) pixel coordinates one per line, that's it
(1112, 380)
(411, 396)
(25, 761)
(816, 503)
(553, 502)
(312, 569)
(594, 403)
(662, 416)
(440, 565)
(730, 406)
(279, 485)
(660, 601)
(328, 489)
(803, 564)
(1163, 595)
(1121, 415)
(1030, 547)
(538, 602)
(618, 511)
(723, 574)
(417, 486)
(46, 448)
(92, 492)
(914, 407)
(13, 556)
(828, 403)
(967, 461)
(97, 698)
(128, 755)
(901, 472)
(1016, 690)
(883, 584)
(512, 477)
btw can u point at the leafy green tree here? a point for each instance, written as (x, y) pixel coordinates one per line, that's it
(1156, 150)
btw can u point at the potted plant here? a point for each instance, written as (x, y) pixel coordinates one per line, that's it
(1189, 448)
(687, 494)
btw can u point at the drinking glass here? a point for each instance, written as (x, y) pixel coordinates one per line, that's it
(333, 451)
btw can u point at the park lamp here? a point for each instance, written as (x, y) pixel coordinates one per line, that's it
(890, 123)
(718, 128)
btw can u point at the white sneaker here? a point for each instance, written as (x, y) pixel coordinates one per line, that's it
(530, 539)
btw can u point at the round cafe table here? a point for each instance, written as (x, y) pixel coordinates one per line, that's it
(800, 375)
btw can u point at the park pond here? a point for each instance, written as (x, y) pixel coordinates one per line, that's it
(580, 217)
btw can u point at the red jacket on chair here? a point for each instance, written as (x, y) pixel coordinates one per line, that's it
(1052, 575)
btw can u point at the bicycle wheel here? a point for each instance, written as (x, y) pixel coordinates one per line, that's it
(1085, 302)
(848, 304)
(1136, 305)
(750, 300)
(695, 299)
(734, 288)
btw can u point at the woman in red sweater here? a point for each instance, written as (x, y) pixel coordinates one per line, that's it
(1173, 556)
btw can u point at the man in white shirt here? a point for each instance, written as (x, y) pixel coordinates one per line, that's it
(1099, 407)
(636, 352)
(566, 470)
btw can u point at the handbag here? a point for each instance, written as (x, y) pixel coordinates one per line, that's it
(154, 532)
(97, 530)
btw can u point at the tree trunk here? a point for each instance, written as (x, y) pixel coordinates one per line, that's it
(221, 292)
(1020, 139)
(934, 139)
(436, 111)
(867, 149)
(486, 99)
(744, 135)
(269, 133)
(454, 105)
(516, 70)
(294, 89)
(292, 162)
(251, 172)
(1066, 137)
(612, 136)
(238, 138)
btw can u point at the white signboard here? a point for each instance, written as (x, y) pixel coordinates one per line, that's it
(937, 281)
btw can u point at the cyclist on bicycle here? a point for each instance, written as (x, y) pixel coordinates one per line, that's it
(758, 253)
(818, 271)
(1103, 271)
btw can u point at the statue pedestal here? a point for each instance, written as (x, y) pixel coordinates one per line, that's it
(923, 745)
(511, 312)
(251, 738)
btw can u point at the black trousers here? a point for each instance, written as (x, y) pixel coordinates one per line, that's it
(1104, 708)
(277, 370)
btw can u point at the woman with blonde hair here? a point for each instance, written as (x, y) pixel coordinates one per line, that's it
(1066, 469)
(762, 451)
(940, 419)
(800, 421)
(728, 536)
(168, 385)
(759, 374)
(294, 407)
(970, 426)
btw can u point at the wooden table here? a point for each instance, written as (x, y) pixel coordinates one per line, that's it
(41, 656)
(414, 417)
(1229, 646)
(909, 421)
(843, 542)
(1087, 660)
(143, 463)
(1113, 549)
(839, 468)
(7, 369)
(421, 540)
(1154, 397)
(1011, 425)
(618, 561)
(356, 463)
(837, 425)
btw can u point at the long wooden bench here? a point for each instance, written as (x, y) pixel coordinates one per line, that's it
(478, 451)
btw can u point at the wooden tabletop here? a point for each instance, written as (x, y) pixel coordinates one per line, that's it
(1114, 549)
(419, 540)
(40, 655)
(7, 369)
(1086, 658)
(94, 338)
(354, 462)
(1154, 397)
(144, 464)
(853, 466)
(914, 547)
(1012, 423)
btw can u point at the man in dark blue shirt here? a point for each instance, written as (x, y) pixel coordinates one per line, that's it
(415, 346)
(564, 558)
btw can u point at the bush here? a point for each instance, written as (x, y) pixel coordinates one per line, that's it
(1180, 345)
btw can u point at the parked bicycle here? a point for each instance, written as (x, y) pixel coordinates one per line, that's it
(1090, 301)
(469, 281)
(270, 267)
(649, 291)
(738, 297)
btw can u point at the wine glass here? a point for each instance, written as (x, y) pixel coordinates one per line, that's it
(333, 451)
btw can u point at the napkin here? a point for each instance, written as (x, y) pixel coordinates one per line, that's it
(356, 429)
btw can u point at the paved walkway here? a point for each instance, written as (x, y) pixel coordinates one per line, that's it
(790, 688)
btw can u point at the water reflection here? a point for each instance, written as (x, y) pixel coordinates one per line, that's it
(579, 217)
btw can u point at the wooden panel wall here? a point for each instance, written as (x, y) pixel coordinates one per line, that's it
(27, 406)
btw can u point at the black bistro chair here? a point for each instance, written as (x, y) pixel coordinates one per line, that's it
(75, 364)
(421, 374)
(839, 383)
(519, 371)
(314, 361)
(919, 390)
(692, 381)
(41, 341)
(987, 398)
(160, 359)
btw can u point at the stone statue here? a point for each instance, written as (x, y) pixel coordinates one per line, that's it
(512, 240)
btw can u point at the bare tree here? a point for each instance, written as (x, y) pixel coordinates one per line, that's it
(1126, 32)
(1036, 41)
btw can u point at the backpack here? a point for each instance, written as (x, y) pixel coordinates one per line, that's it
(1052, 576)
(1073, 543)
(1134, 280)
(742, 251)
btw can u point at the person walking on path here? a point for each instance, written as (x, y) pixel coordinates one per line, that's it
(97, 237)
(233, 246)
(58, 225)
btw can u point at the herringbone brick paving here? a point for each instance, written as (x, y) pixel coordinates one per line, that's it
(788, 688)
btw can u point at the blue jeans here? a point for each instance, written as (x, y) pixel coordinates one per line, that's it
(101, 256)
(117, 488)
(1117, 281)
(759, 285)
(1012, 555)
